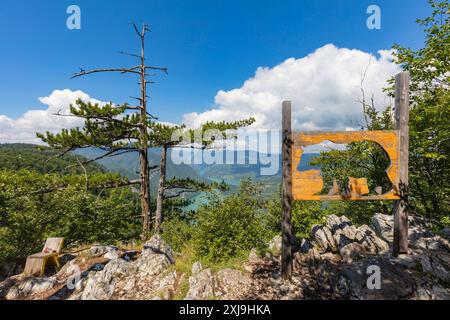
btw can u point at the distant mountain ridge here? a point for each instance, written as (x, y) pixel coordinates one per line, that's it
(43, 159)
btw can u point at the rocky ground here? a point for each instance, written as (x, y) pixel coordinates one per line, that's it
(337, 263)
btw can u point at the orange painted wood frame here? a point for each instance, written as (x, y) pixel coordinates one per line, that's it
(307, 184)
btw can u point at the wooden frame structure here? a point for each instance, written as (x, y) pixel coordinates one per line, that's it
(307, 185)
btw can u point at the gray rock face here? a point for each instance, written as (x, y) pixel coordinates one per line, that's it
(323, 238)
(353, 251)
(383, 225)
(340, 236)
(370, 240)
(157, 245)
(31, 286)
(201, 285)
(231, 283)
(305, 246)
(151, 263)
(226, 284)
(395, 283)
(111, 255)
(418, 275)
(196, 267)
(99, 250)
(275, 245)
(102, 285)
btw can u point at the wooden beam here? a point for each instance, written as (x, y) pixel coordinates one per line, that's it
(400, 245)
(286, 227)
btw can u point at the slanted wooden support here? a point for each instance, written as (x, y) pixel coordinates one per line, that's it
(286, 227)
(400, 245)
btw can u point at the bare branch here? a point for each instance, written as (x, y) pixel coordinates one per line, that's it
(130, 54)
(121, 70)
(157, 68)
(106, 155)
(85, 176)
(136, 29)
(177, 194)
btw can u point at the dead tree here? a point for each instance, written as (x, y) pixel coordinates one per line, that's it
(116, 129)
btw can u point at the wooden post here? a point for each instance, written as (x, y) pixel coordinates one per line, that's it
(286, 228)
(400, 245)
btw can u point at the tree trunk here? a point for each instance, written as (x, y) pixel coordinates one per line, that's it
(145, 177)
(160, 196)
(145, 194)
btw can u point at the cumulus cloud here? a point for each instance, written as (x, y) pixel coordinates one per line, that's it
(24, 128)
(324, 88)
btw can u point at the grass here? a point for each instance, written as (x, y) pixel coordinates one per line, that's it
(185, 259)
(182, 289)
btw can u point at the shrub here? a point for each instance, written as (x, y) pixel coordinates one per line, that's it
(28, 215)
(177, 233)
(227, 227)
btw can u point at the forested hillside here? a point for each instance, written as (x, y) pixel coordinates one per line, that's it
(41, 159)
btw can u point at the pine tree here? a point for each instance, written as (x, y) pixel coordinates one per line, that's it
(167, 137)
(116, 129)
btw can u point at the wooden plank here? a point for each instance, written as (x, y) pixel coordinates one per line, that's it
(307, 184)
(286, 227)
(400, 245)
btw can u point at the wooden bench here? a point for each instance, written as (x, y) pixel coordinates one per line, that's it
(36, 263)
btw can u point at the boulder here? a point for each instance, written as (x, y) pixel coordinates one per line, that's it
(305, 246)
(101, 285)
(151, 263)
(157, 245)
(99, 250)
(323, 238)
(367, 237)
(383, 225)
(333, 223)
(352, 252)
(165, 287)
(196, 267)
(29, 287)
(201, 286)
(231, 283)
(275, 245)
(395, 281)
(111, 255)
(253, 256)
(341, 239)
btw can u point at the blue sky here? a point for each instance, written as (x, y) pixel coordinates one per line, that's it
(207, 45)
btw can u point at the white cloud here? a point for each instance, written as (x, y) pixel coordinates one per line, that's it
(24, 128)
(324, 88)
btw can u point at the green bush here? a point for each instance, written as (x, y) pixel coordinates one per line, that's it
(305, 214)
(34, 206)
(177, 233)
(227, 227)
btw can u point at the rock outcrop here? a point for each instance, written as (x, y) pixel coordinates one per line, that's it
(339, 235)
(145, 277)
(349, 263)
(339, 261)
